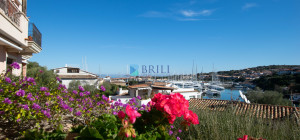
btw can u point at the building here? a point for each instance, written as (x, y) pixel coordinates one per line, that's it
(264, 111)
(148, 90)
(19, 38)
(68, 74)
(118, 82)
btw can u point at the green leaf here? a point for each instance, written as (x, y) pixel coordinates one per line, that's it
(88, 132)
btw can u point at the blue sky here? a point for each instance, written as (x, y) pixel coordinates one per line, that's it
(229, 34)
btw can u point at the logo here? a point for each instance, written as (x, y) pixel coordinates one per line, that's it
(149, 69)
(134, 70)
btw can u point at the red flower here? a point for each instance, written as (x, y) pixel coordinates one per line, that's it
(174, 105)
(132, 114)
(121, 115)
(191, 117)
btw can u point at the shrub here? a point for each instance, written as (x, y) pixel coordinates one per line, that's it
(267, 97)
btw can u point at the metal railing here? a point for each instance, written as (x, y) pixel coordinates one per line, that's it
(11, 11)
(34, 34)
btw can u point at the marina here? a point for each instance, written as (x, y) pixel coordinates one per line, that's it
(226, 94)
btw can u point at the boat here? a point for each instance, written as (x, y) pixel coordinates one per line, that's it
(216, 87)
(212, 92)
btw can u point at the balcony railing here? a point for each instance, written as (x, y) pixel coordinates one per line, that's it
(34, 34)
(11, 11)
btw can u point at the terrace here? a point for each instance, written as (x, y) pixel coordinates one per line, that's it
(34, 39)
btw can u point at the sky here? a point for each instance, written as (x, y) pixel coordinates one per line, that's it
(216, 34)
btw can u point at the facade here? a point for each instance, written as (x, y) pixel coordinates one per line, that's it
(19, 38)
(68, 74)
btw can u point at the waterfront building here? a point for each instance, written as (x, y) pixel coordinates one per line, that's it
(19, 38)
(68, 74)
(148, 90)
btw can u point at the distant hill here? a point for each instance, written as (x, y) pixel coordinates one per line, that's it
(273, 68)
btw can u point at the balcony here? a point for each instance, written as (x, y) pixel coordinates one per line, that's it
(11, 11)
(34, 39)
(13, 22)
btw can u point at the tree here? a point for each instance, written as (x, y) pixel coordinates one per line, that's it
(267, 97)
(42, 75)
(73, 85)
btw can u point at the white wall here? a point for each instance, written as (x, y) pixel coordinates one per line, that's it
(10, 30)
(82, 81)
(64, 71)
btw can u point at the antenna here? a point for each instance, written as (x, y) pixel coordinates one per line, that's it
(82, 64)
(193, 71)
(196, 72)
(99, 71)
(86, 69)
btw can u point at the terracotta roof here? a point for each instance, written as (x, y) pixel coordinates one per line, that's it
(159, 86)
(77, 77)
(256, 110)
(139, 86)
(160, 83)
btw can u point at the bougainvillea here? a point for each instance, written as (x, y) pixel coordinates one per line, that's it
(22, 100)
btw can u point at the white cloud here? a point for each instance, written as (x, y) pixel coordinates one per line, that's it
(191, 13)
(249, 5)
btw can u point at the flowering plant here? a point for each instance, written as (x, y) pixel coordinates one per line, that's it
(25, 101)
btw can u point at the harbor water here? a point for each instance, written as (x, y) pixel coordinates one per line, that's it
(226, 94)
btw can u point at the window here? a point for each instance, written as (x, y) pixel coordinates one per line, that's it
(192, 96)
(57, 71)
(73, 70)
(8, 62)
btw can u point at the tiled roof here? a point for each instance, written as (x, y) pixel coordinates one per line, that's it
(77, 77)
(256, 110)
(161, 86)
(139, 86)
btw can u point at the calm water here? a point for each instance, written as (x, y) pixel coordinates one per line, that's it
(226, 95)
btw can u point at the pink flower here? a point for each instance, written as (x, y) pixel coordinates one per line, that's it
(121, 115)
(173, 105)
(47, 93)
(191, 117)
(7, 79)
(15, 65)
(132, 114)
(7, 101)
(43, 89)
(78, 113)
(20, 93)
(80, 88)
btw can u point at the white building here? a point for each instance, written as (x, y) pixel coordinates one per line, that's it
(68, 74)
(147, 91)
(19, 39)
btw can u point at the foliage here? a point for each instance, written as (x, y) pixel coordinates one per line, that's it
(22, 101)
(43, 76)
(132, 82)
(73, 85)
(226, 125)
(270, 82)
(37, 134)
(111, 89)
(105, 127)
(267, 97)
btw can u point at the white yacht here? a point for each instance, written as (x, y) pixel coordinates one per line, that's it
(212, 92)
(185, 88)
